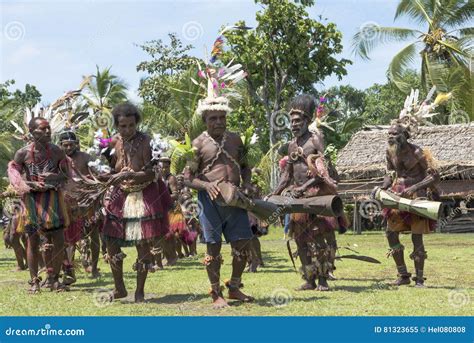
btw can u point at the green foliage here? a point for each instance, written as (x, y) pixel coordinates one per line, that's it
(13, 103)
(447, 45)
(350, 109)
(182, 154)
(104, 91)
(179, 116)
(167, 61)
(288, 52)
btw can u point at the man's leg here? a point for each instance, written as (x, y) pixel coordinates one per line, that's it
(115, 258)
(47, 249)
(213, 261)
(396, 251)
(53, 254)
(95, 250)
(330, 237)
(178, 245)
(157, 253)
(306, 268)
(20, 252)
(169, 250)
(322, 264)
(69, 275)
(418, 256)
(32, 247)
(240, 254)
(142, 266)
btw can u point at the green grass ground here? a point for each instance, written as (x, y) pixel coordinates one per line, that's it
(182, 290)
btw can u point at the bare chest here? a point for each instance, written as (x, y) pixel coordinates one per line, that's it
(130, 154)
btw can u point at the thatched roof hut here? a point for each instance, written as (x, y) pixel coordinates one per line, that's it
(361, 163)
(361, 166)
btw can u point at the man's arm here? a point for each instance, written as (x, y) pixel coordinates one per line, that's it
(147, 174)
(173, 184)
(190, 179)
(284, 180)
(14, 171)
(431, 178)
(388, 179)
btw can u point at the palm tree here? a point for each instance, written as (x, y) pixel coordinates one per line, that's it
(179, 116)
(104, 91)
(446, 45)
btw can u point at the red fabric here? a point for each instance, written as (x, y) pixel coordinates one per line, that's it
(282, 163)
(14, 175)
(156, 200)
(73, 233)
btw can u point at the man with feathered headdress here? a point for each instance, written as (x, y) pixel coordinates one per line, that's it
(306, 175)
(411, 173)
(220, 159)
(43, 211)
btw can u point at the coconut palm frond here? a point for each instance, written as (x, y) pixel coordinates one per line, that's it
(361, 46)
(463, 13)
(416, 11)
(400, 63)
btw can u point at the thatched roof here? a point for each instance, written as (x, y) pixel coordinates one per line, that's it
(452, 145)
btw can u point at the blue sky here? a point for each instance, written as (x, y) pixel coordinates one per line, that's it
(52, 44)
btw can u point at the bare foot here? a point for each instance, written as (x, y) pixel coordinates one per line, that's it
(322, 285)
(307, 286)
(401, 280)
(238, 295)
(88, 269)
(118, 294)
(157, 267)
(95, 274)
(171, 262)
(331, 276)
(139, 297)
(59, 287)
(219, 302)
(35, 287)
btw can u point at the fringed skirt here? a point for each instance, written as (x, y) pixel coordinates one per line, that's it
(137, 217)
(42, 210)
(179, 227)
(402, 221)
(305, 226)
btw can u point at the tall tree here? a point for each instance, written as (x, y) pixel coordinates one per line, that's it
(104, 91)
(446, 46)
(287, 53)
(167, 62)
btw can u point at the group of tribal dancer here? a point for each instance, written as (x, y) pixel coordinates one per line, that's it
(142, 206)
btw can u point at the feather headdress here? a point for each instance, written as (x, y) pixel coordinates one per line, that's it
(415, 113)
(65, 112)
(218, 81)
(321, 116)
